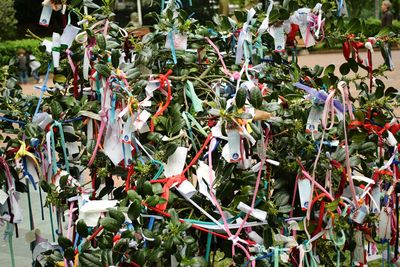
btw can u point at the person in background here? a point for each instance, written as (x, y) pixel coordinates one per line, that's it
(387, 19)
(22, 63)
(34, 65)
(387, 16)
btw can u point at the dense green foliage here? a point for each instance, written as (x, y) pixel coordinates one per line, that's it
(8, 49)
(122, 235)
(8, 23)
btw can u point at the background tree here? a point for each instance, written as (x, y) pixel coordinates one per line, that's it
(7, 19)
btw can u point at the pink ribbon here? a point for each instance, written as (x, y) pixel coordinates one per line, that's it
(225, 70)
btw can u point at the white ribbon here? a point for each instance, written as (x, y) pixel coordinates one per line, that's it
(244, 36)
(265, 24)
(56, 54)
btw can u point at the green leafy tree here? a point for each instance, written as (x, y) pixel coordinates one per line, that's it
(7, 20)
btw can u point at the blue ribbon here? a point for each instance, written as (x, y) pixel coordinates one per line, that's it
(26, 173)
(43, 89)
(340, 8)
(171, 42)
(113, 102)
(21, 123)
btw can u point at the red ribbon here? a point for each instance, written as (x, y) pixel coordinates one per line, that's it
(170, 181)
(352, 46)
(178, 179)
(163, 80)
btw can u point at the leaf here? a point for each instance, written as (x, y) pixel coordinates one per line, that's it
(101, 41)
(353, 65)
(170, 149)
(90, 4)
(240, 98)
(358, 137)
(185, 226)
(117, 215)
(301, 139)
(367, 147)
(64, 242)
(391, 92)
(63, 181)
(176, 126)
(119, 250)
(56, 109)
(240, 15)
(354, 26)
(344, 69)
(174, 216)
(110, 224)
(75, 3)
(103, 70)
(89, 260)
(256, 98)
(333, 205)
(285, 209)
(105, 241)
(355, 161)
(330, 69)
(282, 198)
(272, 106)
(59, 78)
(155, 137)
(380, 87)
(134, 210)
(82, 228)
(244, 115)
(133, 195)
(69, 253)
(147, 189)
(45, 186)
(157, 188)
(383, 32)
(115, 55)
(284, 14)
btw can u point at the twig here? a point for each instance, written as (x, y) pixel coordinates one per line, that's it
(31, 34)
(281, 133)
(212, 66)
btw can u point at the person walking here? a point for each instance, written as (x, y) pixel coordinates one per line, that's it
(22, 63)
(386, 21)
(34, 65)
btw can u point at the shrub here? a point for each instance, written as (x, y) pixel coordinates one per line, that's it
(372, 27)
(8, 49)
(7, 19)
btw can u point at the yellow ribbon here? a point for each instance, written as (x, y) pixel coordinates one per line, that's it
(23, 152)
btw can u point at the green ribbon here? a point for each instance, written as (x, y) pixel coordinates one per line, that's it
(185, 118)
(53, 147)
(294, 54)
(9, 234)
(197, 124)
(308, 249)
(56, 49)
(338, 241)
(162, 5)
(260, 47)
(208, 247)
(190, 92)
